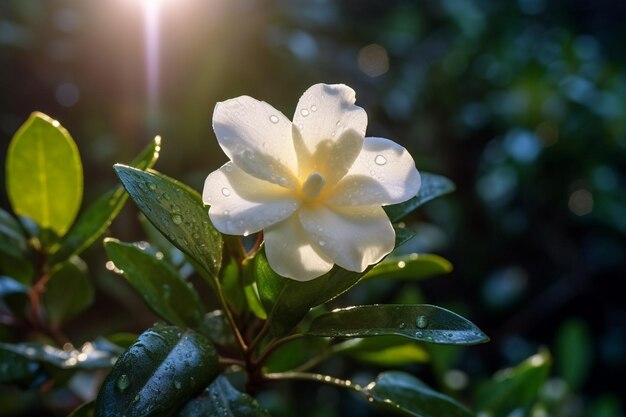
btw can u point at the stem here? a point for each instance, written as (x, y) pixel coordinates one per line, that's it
(326, 379)
(232, 361)
(229, 316)
(275, 344)
(259, 336)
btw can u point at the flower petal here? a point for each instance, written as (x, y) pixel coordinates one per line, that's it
(291, 254)
(242, 204)
(384, 173)
(257, 138)
(353, 237)
(325, 111)
(332, 159)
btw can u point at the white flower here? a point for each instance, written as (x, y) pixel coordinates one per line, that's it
(314, 186)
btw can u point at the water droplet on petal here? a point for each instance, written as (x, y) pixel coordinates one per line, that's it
(421, 322)
(322, 243)
(122, 382)
(314, 108)
(339, 123)
(177, 219)
(226, 212)
(304, 112)
(225, 192)
(274, 119)
(380, 160)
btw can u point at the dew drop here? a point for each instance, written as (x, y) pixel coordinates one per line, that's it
(421, 322)
(314, 108)
(419, 334)
(226, 212)
(380, 160)
(152, 186)
(225, 192)
(274, 119)
(339, 123)
(177, 219)
(401, 264)
(122, 382)
(322, 243)
(402, 325)
(177, 384)
(304, 112)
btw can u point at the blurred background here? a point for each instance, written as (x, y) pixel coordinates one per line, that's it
(521, 103)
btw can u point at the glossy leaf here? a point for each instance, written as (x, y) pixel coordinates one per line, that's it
(44, 174)
(158, 374)
(414, 267)
(403, 235)
(287, 301)
(68, 292)
(295, 353)
(158, 283)
(383, 351)
(215, 326)
(177, 212)
(421, 322)
(221, 399)
(94, 221)
(406, 395)
(87, 357)
(12, 239)
(433, 186)
(514, 388)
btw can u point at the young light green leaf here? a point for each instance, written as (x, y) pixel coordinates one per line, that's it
(177, 211)
(287, 301)
(44, 174)
(158, 374)
(221, 399)
(433, 186)
(423, 322)
(514, 388)
(406, 395)
(68, 292)
(93, 222)
(383, 350)
(414, 267)
(158, 283)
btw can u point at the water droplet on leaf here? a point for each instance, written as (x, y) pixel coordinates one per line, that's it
(421, 322)
(122, 382)
(177, 219)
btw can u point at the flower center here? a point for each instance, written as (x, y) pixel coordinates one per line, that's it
(312, 187)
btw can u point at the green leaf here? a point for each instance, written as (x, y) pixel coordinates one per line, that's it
(158, 283)
(215, 326)
(250, 289)
(433, 186)
(68, 292)
(93, 222)
(383, 351)
(88, 357)
(288, 301)
(414, 266)
(159, 373)
(403, 235)
(177, 212)
(15, 367)
(232, 287)
(406, 395)
(44, 174)
(421, 322)
(221, 399)
(85, 410)
(295, 353)
(20, 269)
(574, 352)
(12, 239)
(514, 388)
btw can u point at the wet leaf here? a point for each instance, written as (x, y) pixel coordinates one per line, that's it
(423, 322)
(433, 186)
